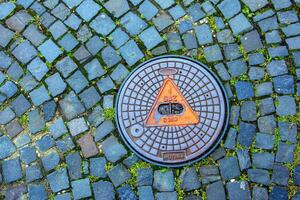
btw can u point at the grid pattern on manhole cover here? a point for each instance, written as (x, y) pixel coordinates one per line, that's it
(172, 145)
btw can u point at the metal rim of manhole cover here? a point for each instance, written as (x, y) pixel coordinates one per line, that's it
(172, 111)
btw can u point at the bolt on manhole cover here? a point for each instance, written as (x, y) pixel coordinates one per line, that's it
(172, 111)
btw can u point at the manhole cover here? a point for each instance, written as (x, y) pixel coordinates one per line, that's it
(172, 111)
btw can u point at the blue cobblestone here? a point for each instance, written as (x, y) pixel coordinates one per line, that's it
(11, 170)
(103, 24)
(119, 174)
(58, 180)
(164, 181)
(7, 148)
(49, 50)
(28, 155)
(50, 161)
(103, 190)
(131, 52)
(113, 150)
(88, 9)
(81, 188)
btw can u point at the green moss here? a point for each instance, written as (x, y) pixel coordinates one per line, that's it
(93, 179)
(134, 172)
(212, 23)
(51, 196)
(24, 120)
(109, 113)
(180, 192)
(108, 166)
(247, 12)
(61, 165)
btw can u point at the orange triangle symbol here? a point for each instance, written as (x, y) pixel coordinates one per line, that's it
(171, 108)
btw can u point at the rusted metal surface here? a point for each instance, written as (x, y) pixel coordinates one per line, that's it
(170, 108)
(172, 111)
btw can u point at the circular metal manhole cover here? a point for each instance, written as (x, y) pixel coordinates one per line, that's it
(172, 111)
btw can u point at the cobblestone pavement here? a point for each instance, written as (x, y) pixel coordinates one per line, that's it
(62, 62)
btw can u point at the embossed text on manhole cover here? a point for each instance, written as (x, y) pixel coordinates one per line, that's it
(172, 111)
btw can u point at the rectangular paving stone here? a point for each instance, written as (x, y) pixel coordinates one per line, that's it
(50, 160)
(15, 71)
(288, 131)
(58, 180)
(7, 148)
(229, 8)
(65, 144)
(88, 146)
(9, 89)
(13, 128)
(38, 8)
(37, 68)
(37, 190)
(112, 149)
(18, 21)
(103, 190)
(60, 11)
(11, 170)
(251, 41)
(119, 174)
(97, 167)
(6, 115)
(110, 56)
(164, 181)
(195, 12)
(105, 84)
(88, 9)
(45, 143)
(81, 188)
(131, 52)
(103, 24)
(28, 82)
(150, 37)
(240, 24)
(238, 189)
(284, 84)
(57, 29)
(68, 42)
(74, 164)
(6, 8)
(77, 81)
(24, 52)
(213, 53)
(71, 106)
(6, 36)
(82, 54)
(39, 95)
(145, 192)
(148, 10)
(33, 172)
(28, 154)
(77, 126)
(203, 33)
(117, 7)
(34, 35)
(90, 97)
(162, 22)
(133, 24)
(259, 176)
(174, 41)
(268, 24)
(49, 110)
(255, 5)
(49, 50)
(293, 43)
